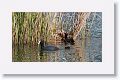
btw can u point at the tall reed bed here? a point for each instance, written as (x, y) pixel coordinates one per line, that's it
(27, 27)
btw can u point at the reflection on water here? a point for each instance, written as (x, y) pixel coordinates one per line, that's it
(84, 50)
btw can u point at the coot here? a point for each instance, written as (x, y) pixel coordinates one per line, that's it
(67, 47)
(48, 47)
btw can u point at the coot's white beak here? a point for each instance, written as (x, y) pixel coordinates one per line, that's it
(39, 42)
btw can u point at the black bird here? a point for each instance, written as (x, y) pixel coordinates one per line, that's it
(47, 48)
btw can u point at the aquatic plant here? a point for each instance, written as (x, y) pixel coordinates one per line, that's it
(29, 27)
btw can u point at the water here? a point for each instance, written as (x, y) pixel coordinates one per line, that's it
(84, 50)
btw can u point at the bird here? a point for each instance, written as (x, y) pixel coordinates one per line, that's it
(67, 47)
(48, 47)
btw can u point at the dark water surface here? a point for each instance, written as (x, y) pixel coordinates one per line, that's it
(84, 50)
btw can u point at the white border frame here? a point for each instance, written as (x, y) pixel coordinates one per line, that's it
(104, 67)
